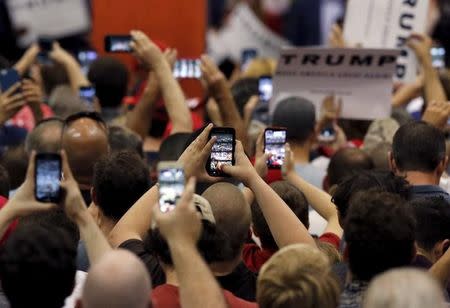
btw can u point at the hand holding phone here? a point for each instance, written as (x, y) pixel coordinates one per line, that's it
(118, 43)
(274, 144)
(48, 177)
(8, 78)
(171, 181)
(222, 152)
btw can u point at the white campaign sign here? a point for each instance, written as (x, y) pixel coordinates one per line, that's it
(362, 78)
(50, 18)
(387, 24)
(244, 30)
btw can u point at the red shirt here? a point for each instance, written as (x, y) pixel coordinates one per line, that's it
(11, 227)
(167, 296)
(254, 257)
(25, 119)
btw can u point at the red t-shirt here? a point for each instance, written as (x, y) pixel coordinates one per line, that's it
(25, 119)
(11, 227)
(167, 296)
(254, 257)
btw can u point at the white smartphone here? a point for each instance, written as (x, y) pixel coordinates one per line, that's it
(171, 184)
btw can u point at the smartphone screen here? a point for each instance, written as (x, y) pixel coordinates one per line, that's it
(222, 152)
(48, 177)
(118, 43)
(85, 58)
(327, 134)
(8, 77)
(45, 46)
(274, 144)
(247, 55)
(171, 186)
(87, 94)
(438, 57)
(187, 68)
(265, 89)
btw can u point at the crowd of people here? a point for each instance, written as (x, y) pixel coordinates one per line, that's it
(358, 220)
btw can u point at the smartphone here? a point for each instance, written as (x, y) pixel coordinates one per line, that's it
(8, 77)
(171, 185)
(48, 177)
(274, 144)
(327, 134)
(85, 58)
(222, 152)
(45, 46)
(187, 68)
(248, 55)
(438, 57)
(265, 89)
(117, 43)
(87, 94)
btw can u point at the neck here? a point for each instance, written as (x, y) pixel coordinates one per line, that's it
(107, 226)
(426, 254)
(422, 178)
(301, 152)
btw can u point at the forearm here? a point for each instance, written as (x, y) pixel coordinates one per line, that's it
(285, 227)
(434, 91)
(137, 221)
(406, 94)
(174, 99)
(139, 119)
(94, 239)
(198, 286)
(76, 76)
(22, 66)
(248, 195)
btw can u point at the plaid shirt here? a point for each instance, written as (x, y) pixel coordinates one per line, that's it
(352, 296)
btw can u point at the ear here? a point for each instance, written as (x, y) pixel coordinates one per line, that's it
(442, 166)
(440, 248)
(392, 164)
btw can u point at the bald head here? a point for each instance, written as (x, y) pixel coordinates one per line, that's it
(231, 211)
(45, 138)
(119, 280)
(85, 141)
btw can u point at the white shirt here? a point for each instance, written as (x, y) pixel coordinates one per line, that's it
(71, 301)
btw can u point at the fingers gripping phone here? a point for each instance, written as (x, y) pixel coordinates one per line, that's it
(171, 185)
(48, 177)
(118, 43)
(8, 77)
(222, 152)
(274, 144)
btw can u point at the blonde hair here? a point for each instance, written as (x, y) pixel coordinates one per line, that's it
(330, 251)
(260, 67)
(297, 275)
(404, 288)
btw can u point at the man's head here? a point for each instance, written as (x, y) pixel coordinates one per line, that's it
(232, 214)
(119, 279)
(346, 162)
(379, 231)
(294, 198)
(432, 226)
(119, 181)
(298, 115)
(64, 102)
(419, 147)
(173, 146)
(297, 274)
(123, 139)
(110, 78)
(45, 137)
(38, 266)
(15, 161)
(242, 90)
(363, 181)
(85, 141)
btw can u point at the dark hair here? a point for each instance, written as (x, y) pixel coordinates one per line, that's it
(4, 182)
(242, 90)
(346, 162)
(379, 231)
(38, 139)
(212, 245)
(15, 161)
(418, 146)
(365, 180)
(122, 139)
(110, 78)
(52, 76)
(37, 267)
(173, 146)
(119, 181)
(298, 115)
(296, 201)
(433, 221)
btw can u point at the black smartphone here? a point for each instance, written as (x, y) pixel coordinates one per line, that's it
(222, 152)
(118, 43)
(187, 69)
(48, 177)
(248, 55)
(274, 144)
(438, 56)
(265, 89)
(171, 185)
(8, 77)
(45, 46)
(87, 94)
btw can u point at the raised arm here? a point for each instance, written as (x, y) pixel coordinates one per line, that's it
(181, 228)
(285, 227)
(421, 45)
(317, 198)
(10, 103)
(76, 77)
(171, 91)
(27, 59)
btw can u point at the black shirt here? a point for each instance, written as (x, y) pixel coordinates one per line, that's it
(241, 282)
